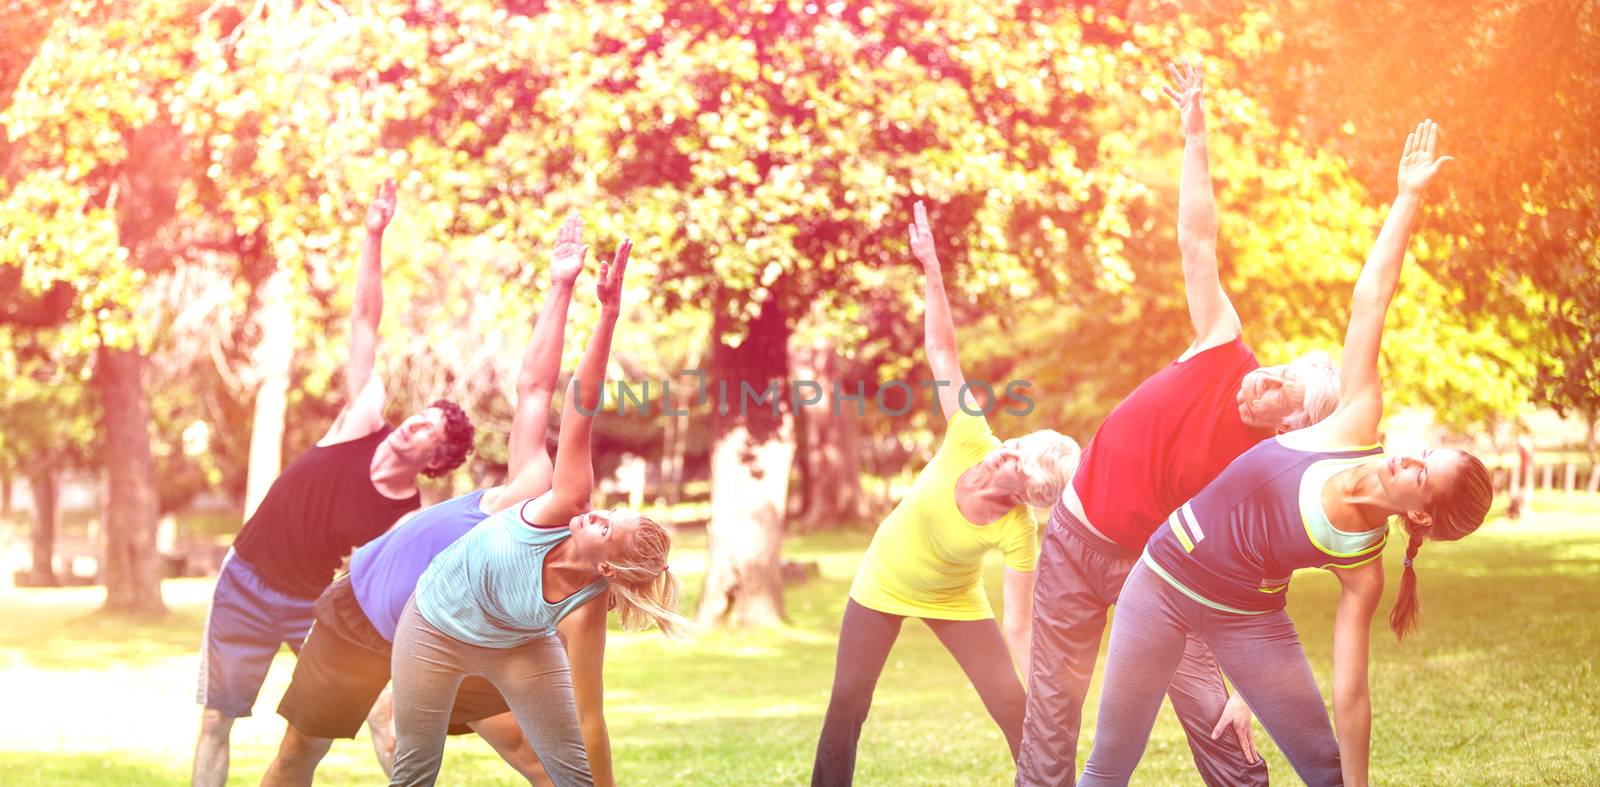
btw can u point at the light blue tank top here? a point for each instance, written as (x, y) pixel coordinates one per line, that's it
(487, 588)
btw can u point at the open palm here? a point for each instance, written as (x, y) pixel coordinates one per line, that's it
(609, 287)
(567, 260)
(1186, 90)
(381, 209)
(1417, 163)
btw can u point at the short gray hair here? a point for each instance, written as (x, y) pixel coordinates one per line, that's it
(1318, 375)
(1048, 459)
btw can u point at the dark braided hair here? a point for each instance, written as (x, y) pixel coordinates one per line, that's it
(457, 444)
(1456, 512)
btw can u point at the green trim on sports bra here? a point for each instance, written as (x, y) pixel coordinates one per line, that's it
(1298, 439)
(1324, 536)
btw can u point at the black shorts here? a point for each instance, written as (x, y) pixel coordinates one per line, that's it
(344, 666)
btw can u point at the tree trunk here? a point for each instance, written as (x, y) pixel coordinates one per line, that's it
(670, 459)
(1590, 444)
(751, 452)
(130, 568)
(273, 357)
(42, 483)
(830, 453)
(5, 494)
(676, 434)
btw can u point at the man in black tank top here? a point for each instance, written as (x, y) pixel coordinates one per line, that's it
(345, 491)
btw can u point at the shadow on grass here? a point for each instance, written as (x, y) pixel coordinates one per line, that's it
(63, 629)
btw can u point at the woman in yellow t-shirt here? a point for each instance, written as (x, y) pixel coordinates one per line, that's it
(926, 560)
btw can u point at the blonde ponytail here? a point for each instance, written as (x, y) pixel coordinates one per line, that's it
(644, 589)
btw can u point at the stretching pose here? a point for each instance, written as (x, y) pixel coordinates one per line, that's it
(1316, 498)
(1163, 443)
(344, 666)
(349, 488)
(492, 603)
(926, 559)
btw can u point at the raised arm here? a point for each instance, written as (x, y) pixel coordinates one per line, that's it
(1359, 592)
(1210, 312)
(529, 470)
(938, 329)
(1361, 391)
(363, 405)
(584, 633)
(573, 481)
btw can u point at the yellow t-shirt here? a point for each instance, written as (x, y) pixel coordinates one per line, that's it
(926, 560)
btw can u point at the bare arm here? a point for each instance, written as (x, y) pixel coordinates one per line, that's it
(584, 632)
(1359, 591)
(529, 471)
(1214, 319)
(572, 481)
(1018, 626)
(363, 408)
(938, 329)
(1361, 390)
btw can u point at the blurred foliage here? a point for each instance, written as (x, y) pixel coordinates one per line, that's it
(162, 158)
(1514, 239)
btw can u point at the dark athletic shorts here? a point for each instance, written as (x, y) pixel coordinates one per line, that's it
(345, 665)
(247, 623)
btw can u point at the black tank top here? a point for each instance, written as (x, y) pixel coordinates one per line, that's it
(320, 508)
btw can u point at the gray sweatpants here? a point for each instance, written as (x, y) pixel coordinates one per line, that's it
(1261, 653)
(534, 678)
(1080, 576)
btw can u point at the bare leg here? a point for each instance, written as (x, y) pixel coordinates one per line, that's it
(297, 759)
(506, 737)
(211, 751)
(380, 722)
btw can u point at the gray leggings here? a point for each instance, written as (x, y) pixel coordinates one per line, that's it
(534, 678)
(1261, 654)
(865, 637)
(1080, 577)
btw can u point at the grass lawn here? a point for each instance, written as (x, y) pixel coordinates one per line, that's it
(1500, 687)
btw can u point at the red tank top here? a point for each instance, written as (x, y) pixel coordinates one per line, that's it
(1164, 443)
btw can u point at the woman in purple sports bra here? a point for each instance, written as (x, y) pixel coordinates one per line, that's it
(1321, 497)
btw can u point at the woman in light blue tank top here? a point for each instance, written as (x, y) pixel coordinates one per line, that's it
(333, 693)
(492, 603)
(1319, 497)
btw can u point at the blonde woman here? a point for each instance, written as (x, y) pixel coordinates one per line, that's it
(492, 603)
(926, 559)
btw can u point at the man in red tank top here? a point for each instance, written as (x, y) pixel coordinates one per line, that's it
(1164, 442)
(346, 490)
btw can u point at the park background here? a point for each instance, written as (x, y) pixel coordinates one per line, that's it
(181, 187)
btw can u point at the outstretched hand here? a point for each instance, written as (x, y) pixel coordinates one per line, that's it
(609, 287)
(922, 239)
(567, 260)
(1417, 163)
(1186, 90)
(381, 209)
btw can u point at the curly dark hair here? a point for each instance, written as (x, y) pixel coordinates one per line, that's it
(457, 444)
